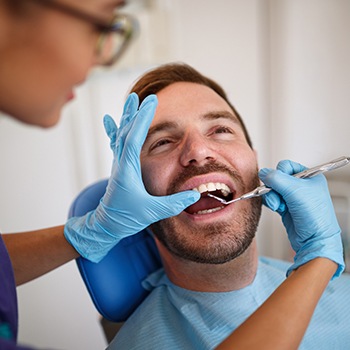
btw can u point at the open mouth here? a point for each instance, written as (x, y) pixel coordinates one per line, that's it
(207, 205)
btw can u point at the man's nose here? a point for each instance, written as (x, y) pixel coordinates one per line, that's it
(196, 150)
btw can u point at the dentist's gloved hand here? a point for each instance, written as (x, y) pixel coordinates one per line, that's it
(307, 213)
(126, 208)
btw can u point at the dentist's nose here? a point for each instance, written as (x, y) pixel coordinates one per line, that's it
(196, 151)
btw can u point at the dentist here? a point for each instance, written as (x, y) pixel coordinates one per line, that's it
(47, 48)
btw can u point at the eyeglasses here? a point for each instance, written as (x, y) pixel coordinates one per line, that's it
(114, 38)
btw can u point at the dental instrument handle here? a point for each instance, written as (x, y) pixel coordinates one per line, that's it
(319, 169)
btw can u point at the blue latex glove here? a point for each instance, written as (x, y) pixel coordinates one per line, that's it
(307, 213)
(126, 208)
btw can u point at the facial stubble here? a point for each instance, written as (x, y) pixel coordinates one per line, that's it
(215, 243)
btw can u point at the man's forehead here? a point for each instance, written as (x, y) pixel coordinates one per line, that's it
(186, 102)
(188, 97)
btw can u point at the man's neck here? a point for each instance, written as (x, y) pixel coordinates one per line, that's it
(233, 275)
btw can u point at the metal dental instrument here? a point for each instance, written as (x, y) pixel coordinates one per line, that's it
(259, 191)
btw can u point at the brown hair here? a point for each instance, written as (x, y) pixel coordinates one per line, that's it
(159, 78)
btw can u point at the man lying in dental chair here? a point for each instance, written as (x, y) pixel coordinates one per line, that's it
(213, 278)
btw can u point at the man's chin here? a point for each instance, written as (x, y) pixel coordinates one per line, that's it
(204, 244)
(210, 238)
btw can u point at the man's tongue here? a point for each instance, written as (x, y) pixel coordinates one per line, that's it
(204, 203)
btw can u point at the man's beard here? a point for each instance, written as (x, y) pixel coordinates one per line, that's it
(212, 243)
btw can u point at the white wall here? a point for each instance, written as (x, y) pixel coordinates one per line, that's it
(310, 83)
(284, 64)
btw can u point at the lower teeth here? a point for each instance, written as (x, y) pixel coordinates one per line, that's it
(209, 211)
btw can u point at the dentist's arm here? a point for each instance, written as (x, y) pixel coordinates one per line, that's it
(35, 253)
(125, 209)
(280, 323)
(307, 213)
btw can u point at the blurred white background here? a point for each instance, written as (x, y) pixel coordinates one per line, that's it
(285, 66)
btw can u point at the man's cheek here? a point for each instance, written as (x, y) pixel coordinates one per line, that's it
(151, 182)
(145, 178)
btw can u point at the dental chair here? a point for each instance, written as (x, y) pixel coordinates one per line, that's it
(114, 284)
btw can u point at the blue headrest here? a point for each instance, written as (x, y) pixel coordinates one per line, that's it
(114, 283)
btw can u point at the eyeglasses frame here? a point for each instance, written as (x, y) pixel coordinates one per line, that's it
(101, 26)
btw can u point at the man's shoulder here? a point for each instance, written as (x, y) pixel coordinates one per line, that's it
(153, 322)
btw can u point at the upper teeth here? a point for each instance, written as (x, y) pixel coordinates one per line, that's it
(211, 186)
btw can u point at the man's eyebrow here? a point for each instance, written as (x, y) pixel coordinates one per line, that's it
(221, 114)
(161, 127)
(213, 115)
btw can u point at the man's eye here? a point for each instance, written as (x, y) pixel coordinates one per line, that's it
(222, 133)
(223, 130)
(159, 143)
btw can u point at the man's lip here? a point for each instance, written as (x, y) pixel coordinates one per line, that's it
(209, 217)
